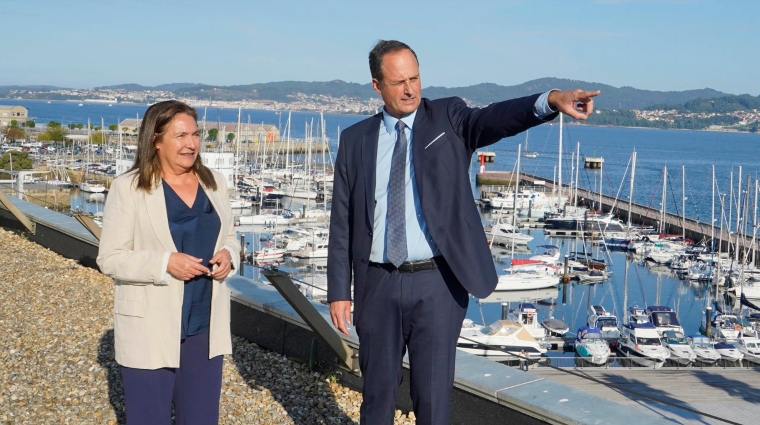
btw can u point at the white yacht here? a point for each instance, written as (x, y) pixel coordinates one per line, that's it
(506, 234)
(664, 319)
(704, 349)
(728, 353)
(749, 347)
(679, 347)
(591, 346)
(605, 321)
(505, 338)
(522, 278)
(92, 186)
(641, 344)
(526, 314)
(316, 249)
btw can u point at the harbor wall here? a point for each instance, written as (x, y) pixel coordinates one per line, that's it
(696, 230)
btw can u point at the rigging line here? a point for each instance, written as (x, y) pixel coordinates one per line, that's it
(543, 151)
(654, 192)
(673, 195)
(606, 384)
(641, 287)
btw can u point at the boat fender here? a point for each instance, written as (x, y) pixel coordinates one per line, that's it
(531, 315)
(737, 327)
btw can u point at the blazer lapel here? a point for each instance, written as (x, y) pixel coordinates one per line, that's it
(369, 166)
(419, 137)
(155, 203)
(215, 200)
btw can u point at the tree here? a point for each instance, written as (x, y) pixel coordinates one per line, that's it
(21, 161)
(54, 134)
(213, 133)
(98, 128)
(97, 138)
(30, 123)
(124, 129)
(113, 127)
(14, 133)
(14, 123)
(54, 124)
(80, 126)
(755, 127)
(72, 126)
(230, 137)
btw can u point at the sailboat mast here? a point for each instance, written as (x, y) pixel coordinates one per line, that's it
(601, 177)
(683, 203)
(577, 171)
(630, 194)
(664, 198)
(559, 162)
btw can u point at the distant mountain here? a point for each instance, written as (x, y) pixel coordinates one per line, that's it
(137, 87)
(481, 94)
(720, 105)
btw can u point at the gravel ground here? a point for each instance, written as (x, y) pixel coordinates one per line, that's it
(57, 362)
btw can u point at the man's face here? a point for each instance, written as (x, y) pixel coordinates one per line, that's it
(400, 87)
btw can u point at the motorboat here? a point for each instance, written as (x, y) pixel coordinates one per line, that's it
(501, 340)
(605, 321)
(265, 219)
(550, 254)
(316, 249)
(728, 353)
(506, 234)
(92, 186)
(591, 346)
(641, 344)
(267, 254)
(725, 327)
(680, 350)
(521, 278)
(749, 347)
(704, 349)
(526, 314)
(637, 315)
(555, 325)
(592, 276)
(238, 202)
(663, 318)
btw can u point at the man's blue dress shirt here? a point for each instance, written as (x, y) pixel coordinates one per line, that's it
(420, 245)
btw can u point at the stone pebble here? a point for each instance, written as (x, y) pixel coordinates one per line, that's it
(57, 358)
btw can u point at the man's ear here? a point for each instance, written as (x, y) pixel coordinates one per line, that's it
(376, 85)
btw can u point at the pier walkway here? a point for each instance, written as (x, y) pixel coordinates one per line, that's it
(731, 393)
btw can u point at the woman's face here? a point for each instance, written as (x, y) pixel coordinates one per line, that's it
(179, 146)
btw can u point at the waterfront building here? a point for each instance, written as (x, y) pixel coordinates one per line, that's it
(9, 113)
(251, 132)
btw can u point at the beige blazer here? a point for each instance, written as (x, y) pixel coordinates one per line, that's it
(134, 248)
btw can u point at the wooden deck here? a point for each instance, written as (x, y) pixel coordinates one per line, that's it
(732, 393)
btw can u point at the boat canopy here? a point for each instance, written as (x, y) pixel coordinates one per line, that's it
(664, 318)
(526, 306)
(507, 328)
(585, 332)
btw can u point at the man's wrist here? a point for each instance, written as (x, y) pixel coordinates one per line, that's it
(552, 99)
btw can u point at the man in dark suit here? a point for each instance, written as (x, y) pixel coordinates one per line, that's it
(405, 226)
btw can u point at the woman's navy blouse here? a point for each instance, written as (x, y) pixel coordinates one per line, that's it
(195, 231)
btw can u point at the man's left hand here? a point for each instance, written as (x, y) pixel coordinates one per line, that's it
(223, 260)
(574, 103)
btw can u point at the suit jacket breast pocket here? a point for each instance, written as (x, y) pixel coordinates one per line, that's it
(436, 142)
(129, 300)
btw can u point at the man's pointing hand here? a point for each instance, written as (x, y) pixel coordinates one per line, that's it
(574, 103)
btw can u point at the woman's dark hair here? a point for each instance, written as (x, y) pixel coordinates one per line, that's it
(152, 129)
(382, 48)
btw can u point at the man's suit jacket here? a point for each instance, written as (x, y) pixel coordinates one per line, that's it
(445, 134)
(147, 304)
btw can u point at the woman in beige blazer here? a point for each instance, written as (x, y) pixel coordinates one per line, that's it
(168, 242)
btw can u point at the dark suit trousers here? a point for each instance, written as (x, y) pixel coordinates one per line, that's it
(421, 311)
(194, 387)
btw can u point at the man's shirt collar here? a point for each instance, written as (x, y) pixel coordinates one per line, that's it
(390, 121)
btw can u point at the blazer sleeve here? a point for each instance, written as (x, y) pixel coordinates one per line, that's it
(231, 242)
(482, 127)
(117, 257)
(339, 259)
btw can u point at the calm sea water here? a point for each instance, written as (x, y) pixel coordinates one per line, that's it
(696, 151)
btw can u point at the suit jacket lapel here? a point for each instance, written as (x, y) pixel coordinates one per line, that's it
(369, 165)
(419, 138)
(155, 203)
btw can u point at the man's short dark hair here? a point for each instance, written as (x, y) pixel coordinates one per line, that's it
(382, 48)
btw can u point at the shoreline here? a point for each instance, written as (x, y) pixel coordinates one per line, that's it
(576, 123)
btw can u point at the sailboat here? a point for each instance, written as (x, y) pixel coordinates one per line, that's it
(526, 153)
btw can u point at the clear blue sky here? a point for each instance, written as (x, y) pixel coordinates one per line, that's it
(656, 45)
